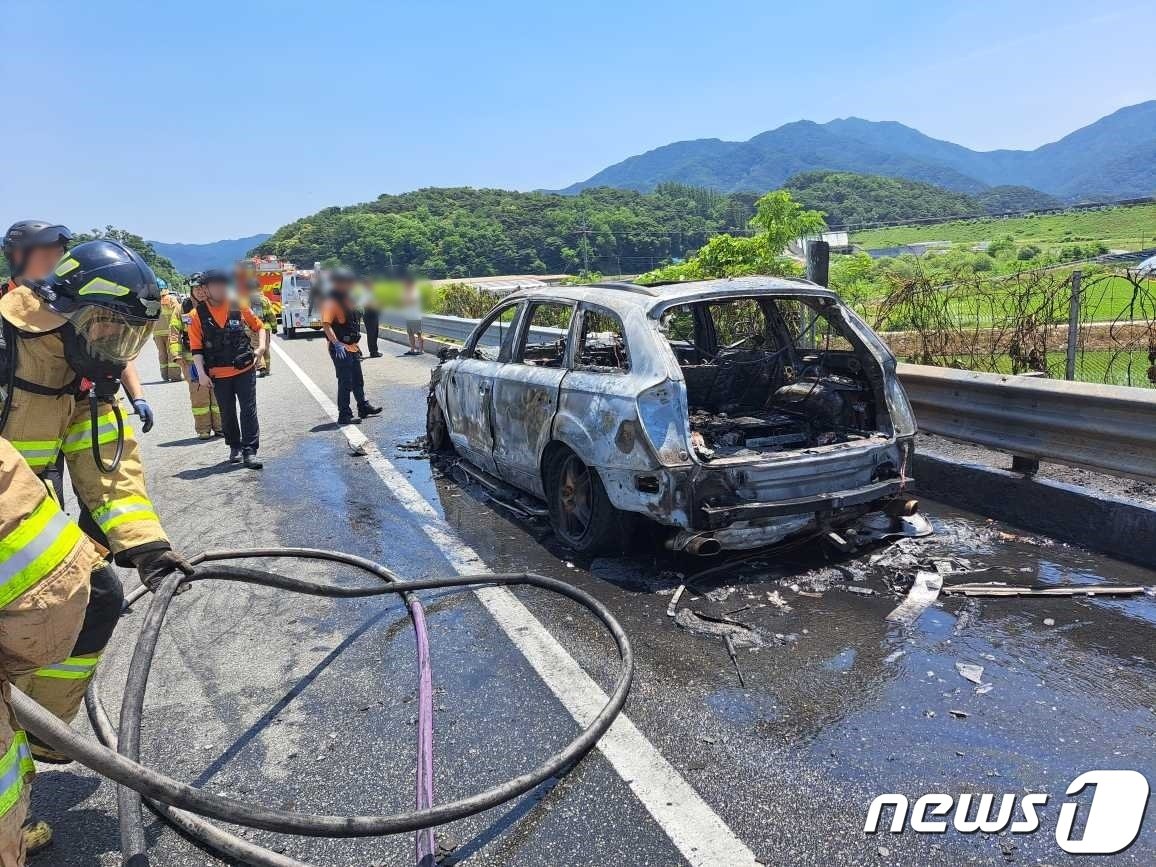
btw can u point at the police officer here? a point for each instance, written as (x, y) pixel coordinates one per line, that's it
(68, 339)
(219, 336)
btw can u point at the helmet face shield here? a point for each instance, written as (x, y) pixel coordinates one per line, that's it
(110, 336)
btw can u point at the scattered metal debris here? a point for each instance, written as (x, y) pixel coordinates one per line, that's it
(958, 714)
(730, 645)
(672, 608)
(997, 589)
(924, 591)
(970, 671)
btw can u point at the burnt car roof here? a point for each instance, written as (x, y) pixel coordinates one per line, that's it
(661, 296)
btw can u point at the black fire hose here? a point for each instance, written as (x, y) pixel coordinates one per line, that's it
(94, 431)
(171, 798)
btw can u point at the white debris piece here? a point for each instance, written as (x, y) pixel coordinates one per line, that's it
(970, 671)
(923, 593)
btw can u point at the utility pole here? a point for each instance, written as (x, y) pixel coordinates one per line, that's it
(584, 232)
(1073, 327)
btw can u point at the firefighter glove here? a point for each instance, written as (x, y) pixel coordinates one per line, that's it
(145, 412)
(154, 566)
(340, 351)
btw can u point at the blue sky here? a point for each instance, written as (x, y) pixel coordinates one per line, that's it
(194, 121)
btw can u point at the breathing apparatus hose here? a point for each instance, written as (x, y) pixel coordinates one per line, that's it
(94, 431)
(177, 801)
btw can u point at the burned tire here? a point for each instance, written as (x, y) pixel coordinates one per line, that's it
(580, 512)
(437, 434)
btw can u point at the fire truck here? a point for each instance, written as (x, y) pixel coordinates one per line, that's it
(301, 299)
(294, 293)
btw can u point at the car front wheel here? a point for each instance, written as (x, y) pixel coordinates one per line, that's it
(580, 512)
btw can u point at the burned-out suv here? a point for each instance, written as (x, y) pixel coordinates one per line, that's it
(733, 412)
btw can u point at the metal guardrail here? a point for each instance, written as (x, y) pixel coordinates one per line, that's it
(1110, 428)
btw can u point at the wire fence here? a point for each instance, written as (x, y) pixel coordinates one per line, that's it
(1020, 324)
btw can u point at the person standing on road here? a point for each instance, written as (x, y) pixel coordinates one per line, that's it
(69, 338)
(219, 338)
(411, 310)
(46, 562)
(170, 368)
(206, 413)
(342, 326)
(372, 316)
(263, 309)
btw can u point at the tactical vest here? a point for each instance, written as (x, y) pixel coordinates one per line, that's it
(223, 345)
(348, 331)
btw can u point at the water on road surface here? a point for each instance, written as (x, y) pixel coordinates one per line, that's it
(309, 704)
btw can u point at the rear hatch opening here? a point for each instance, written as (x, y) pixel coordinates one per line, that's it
(767, 376)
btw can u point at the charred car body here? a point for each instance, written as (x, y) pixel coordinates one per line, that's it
(734, 412)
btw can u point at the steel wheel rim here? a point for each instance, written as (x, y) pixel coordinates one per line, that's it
(576, 497)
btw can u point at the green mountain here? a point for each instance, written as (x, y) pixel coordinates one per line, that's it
(1111, 158)
(190, 258)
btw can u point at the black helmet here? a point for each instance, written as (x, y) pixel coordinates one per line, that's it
(195, 278)
(29, 234)
(342, 275)
(109, 297)
(102, 273)
(214, 275)
(35, 233)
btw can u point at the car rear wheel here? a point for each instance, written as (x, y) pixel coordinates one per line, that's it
(580, 512)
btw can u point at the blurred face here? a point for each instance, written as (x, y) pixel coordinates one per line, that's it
(198, 294)
(342, 286)
(217, 291)
(38, 262)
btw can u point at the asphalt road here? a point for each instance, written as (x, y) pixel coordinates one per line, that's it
(309, 703)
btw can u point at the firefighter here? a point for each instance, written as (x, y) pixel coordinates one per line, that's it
(206, 413)
(263, 309)
(170, 366)
(342, 325)
(68, 339)
(33, 247)
(219, 336)
(45, 562)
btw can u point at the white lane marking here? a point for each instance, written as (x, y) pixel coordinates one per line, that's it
(702, 837)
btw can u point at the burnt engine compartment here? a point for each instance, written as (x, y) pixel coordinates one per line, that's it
(767, 395)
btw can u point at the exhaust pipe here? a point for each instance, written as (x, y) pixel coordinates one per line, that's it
(697, 544)
(703, 546)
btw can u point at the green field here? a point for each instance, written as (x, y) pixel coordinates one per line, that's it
(1124, 228)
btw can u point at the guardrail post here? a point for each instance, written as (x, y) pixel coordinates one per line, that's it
(1073, 327)
(1028, 466)
(818, 262)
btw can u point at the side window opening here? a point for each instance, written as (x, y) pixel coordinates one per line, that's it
(492, 342)
(602, 342)
(544, 341)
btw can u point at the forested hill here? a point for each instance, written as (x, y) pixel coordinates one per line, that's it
(851, 200)
(453, 232)
(442, 232)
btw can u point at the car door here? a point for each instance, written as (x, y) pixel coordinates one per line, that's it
(525, 391)
(468, 405)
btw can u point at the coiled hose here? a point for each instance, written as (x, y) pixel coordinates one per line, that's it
(183, 806)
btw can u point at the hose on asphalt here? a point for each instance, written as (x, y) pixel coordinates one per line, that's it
(117, 756)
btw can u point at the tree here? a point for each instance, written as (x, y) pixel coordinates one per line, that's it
(778, 220)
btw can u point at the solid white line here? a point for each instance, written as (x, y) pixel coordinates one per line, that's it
(700, 834)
